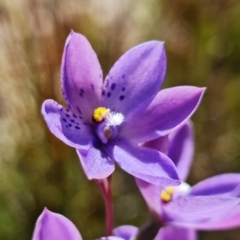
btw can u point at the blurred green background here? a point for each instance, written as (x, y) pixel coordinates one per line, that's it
(202, 40)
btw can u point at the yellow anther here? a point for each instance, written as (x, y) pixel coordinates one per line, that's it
(167, 193)
(169, 190)
(165, 196)
(99, 114)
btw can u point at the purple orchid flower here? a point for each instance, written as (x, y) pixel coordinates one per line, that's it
(212, 204)
(53, 226)
(106, 122)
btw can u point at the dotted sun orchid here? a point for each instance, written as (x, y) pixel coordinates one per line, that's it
(211, 204)
(53, 226)
(106, 121)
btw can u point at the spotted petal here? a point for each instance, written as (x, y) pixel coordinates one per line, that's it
(53, 226)
(170, 233)
(66, 126)
(135, 77)
(96, 163)
(169, 110)
(144, 163)
(81, 75)
(224, 184)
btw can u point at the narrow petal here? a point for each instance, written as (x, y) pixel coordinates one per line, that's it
(68, 127)
(125, 232)
(225, 185)
(151, 193)
(181, 149)
(135, 77)
(173, 233)
(81, 75)
(96, 163)
(144, 163)
(198, 209)
(53, 226)
(169, 110)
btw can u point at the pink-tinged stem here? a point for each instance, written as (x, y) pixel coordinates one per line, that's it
(105, 187)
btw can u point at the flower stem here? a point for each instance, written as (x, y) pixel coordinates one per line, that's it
(105, 187)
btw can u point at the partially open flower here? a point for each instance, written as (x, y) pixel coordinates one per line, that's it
(209, 205)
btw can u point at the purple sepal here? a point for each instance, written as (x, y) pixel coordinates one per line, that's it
(173, 233)
(53, 226)
(144, 163)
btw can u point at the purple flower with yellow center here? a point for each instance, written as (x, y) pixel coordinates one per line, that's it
(211, 204)
(105, 122)
(53, 226)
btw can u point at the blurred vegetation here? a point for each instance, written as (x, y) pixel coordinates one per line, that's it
(202, 40)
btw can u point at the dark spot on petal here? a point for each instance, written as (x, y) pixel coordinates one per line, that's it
(67, 115)
(66, 126)
(121, 97)
(113, 86)
(107, 83)
(109, 94)
(103, 92)
(64, 120)
(123, 76)
(67, 110)
(74, 115)
(69, 125)
(100, 75)
(85, 124)
(123, 89)
(72, 120)
(77, 127)
(92, 87)
(80, 117)
(78, 123)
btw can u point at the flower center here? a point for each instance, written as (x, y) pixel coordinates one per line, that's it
(166, 194)
(181, 190)
(106, 123)
(100, 113)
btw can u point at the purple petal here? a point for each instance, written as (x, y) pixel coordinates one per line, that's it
(227, 220)
(181, 149)
(53, 226)
(66, 126)
(160, 144)
(81, 75)
(125, 232)
(198, 209)
(173, 233)
(96, 163)
(225, 184)
(169, 110)
(110, 238)
(151, 193)
(144, 163)
(135, 77)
